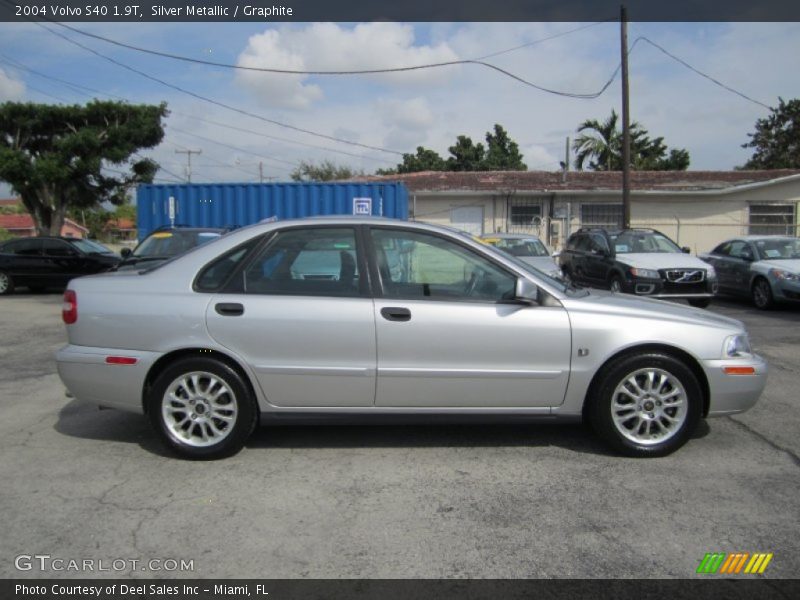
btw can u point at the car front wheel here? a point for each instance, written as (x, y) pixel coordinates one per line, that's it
(615, 284)
(202, 409)
(762, 294)
(646, 405)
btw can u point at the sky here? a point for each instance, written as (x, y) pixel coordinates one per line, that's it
(394, 113)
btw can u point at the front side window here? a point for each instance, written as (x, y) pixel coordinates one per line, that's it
(423, 266)
(307, 262)
(58, 248)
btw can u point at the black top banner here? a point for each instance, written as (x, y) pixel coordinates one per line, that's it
(397, 10)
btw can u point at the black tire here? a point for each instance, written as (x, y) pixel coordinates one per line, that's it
(236, 406)
(6, 283)
(700, 302)
(680, 382)
(617, 281)
(761, 294)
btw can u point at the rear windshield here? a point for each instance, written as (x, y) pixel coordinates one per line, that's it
(171, 243)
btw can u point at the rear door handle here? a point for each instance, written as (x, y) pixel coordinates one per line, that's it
(396, 313)
(229, 309)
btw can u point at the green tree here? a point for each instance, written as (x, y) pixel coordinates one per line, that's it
(502, 153)
(324, 171)
(423, 160)
(777, 138)
(54, 157)
(599, 148)
(465, 155)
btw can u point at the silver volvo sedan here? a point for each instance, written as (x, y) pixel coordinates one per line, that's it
(347, 318)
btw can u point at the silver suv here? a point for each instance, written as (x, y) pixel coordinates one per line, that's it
(348, 318)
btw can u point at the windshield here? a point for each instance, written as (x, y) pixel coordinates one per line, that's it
(171, 243)
(635, 242)
(556, 283)
(520, 247)
(89, 246)
(778, 248)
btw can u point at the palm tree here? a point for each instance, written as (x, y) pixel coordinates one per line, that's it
(599, 144)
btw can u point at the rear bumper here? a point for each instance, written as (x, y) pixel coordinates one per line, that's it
(731, 394)
(88, 377)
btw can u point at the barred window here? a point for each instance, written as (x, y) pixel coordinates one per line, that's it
(525, 214)
(773, 219)
(608, 216)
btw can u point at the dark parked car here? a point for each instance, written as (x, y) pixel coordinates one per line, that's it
(41, 262)
(764, 267)
(644, 262)
(164, 243)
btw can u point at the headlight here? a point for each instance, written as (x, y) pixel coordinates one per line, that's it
(784, 275)
(710, 272)
(737, 346)
(645, 273)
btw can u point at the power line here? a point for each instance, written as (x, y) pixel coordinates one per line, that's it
(72, 85)
(216, 102)
(576, 95)
(238, 149)
(544, 39)
(699, 72)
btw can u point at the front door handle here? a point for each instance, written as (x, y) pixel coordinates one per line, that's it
(396, 313)
(229, 309)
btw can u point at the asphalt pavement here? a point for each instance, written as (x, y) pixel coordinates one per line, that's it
(386, 502)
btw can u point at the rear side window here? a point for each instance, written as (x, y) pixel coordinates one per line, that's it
(217, 273)
(31, 247)
(307, 262)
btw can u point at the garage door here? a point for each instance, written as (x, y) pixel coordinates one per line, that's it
(468, 218)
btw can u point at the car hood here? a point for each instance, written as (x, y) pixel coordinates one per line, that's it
(603, 301)
(661, 260)
(792, 264)
(543, 263)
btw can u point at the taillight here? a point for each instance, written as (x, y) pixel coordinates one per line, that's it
(69, 310)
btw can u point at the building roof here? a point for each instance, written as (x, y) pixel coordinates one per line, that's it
(16, 222)
(10, 201)
(549, 181)
(121, 224)
(25, 221)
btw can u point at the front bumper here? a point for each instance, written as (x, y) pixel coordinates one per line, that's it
(786, 291)
(658, 288)
(89, 378)
(731, 394)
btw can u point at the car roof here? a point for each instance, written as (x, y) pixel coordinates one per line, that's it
(511, 236)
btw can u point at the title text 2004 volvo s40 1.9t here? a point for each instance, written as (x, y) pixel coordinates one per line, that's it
(353, 318)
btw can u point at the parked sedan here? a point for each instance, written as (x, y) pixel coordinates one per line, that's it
(766, 268)
(165, 243)
(310, 320)
(528, 248)
(41, 262)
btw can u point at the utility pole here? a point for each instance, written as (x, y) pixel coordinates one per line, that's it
(261, 171)
(626, 124)
(188, 154)
(566, 162)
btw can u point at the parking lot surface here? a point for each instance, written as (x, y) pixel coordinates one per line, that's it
(390, 502)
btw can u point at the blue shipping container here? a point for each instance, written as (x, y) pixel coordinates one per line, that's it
(238, 204)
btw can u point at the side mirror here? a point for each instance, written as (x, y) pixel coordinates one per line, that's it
(686, 250)
(525, 290)
(125, 252)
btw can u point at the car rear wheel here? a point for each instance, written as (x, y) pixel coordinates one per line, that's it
(202, 409)
(646, 405)
(762, 294)
(6, 283)
(700, 302)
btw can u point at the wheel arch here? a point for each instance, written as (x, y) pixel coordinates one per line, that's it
(689, 360)
(170, 358)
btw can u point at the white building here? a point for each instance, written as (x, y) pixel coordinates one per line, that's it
(698, 209)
